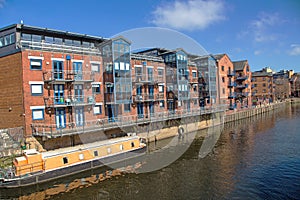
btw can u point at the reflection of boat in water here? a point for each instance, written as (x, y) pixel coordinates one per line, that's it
(34, 168)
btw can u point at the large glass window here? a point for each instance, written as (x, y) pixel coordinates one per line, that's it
(7, 40)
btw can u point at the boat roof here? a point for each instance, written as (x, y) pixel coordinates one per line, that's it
(86, 146)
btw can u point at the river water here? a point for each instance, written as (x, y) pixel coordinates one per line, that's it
(255, 158)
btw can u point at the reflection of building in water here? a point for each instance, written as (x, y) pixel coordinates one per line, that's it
(81, 183)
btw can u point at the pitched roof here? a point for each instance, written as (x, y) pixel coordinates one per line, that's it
(219, 56)
(239, 65)
(261, 73)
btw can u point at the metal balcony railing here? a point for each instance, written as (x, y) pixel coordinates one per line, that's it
(160, 96)
(52, 130)
(75, 100)
(44, 46)
(241, 78)
(241, 86)
(231, 84)
(68, 75)
(230, 73)
(193, 79)
(144, 97)
(144, 78)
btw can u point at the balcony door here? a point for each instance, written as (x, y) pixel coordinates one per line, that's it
(59, 94)
(77, 67)
(58, 69)
(60, 118)
(79, 116)
(78, 92)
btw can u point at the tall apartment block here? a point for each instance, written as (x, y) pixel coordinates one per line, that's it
(63, 87)
(226, 80)
(243, 84)
(262, 87)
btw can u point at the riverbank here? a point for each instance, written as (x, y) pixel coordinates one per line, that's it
(218, 119)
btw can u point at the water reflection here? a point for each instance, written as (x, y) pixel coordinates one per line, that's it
(255, 158)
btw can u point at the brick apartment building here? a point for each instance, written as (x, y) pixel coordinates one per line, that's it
(262, 87)
(242, 84)
(226, 79)
(295, 85)
(282, 84)
(59, 85)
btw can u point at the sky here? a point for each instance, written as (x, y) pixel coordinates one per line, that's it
(264, 32)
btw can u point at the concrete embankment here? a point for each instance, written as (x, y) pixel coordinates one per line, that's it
(237, 115)
(217, 119)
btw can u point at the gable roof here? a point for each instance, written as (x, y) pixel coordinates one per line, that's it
(239, 65)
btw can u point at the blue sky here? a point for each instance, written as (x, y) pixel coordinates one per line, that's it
(266, 33)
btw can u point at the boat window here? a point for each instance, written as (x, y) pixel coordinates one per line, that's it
(65, 160)
(108, 150)
(96, 153)
(81, 156)
(121, 147)
(132, 144)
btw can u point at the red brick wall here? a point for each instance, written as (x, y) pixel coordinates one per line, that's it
(11, 94)
(223, 79)
(37, 75)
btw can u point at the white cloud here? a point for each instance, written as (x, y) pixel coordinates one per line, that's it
(2, 2)
(264, 28)
(189, 15)
(295, 50)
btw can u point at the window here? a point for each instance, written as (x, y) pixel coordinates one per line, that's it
(162, 104)
(95, 67)
(108, 150)
(65, 160)
(223, 79)
(160, 72)
(264, 90)
(194, 74)
(96, 153)
(35, 64)
(96, 89)
(127, 107)
(36, 89)
(161, 88)
(222, 68)
(264, 85)
(68, 42)
(81, 156)
(223, 90)
(49, 39)
(195, 101)
(121, 147)
(132, 144)
(36, 38)
(264, 78)
(38, 114)
(97, 109)
(7, 40)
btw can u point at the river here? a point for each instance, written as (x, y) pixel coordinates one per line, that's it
(254, 158)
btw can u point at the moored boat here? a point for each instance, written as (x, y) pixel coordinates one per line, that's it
(34, 167)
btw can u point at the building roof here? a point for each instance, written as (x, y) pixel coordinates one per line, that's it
(28, 28)
(239, 65)
(261, 73)
(219, 56)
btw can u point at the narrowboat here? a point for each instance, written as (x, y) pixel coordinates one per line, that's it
(34, 167)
